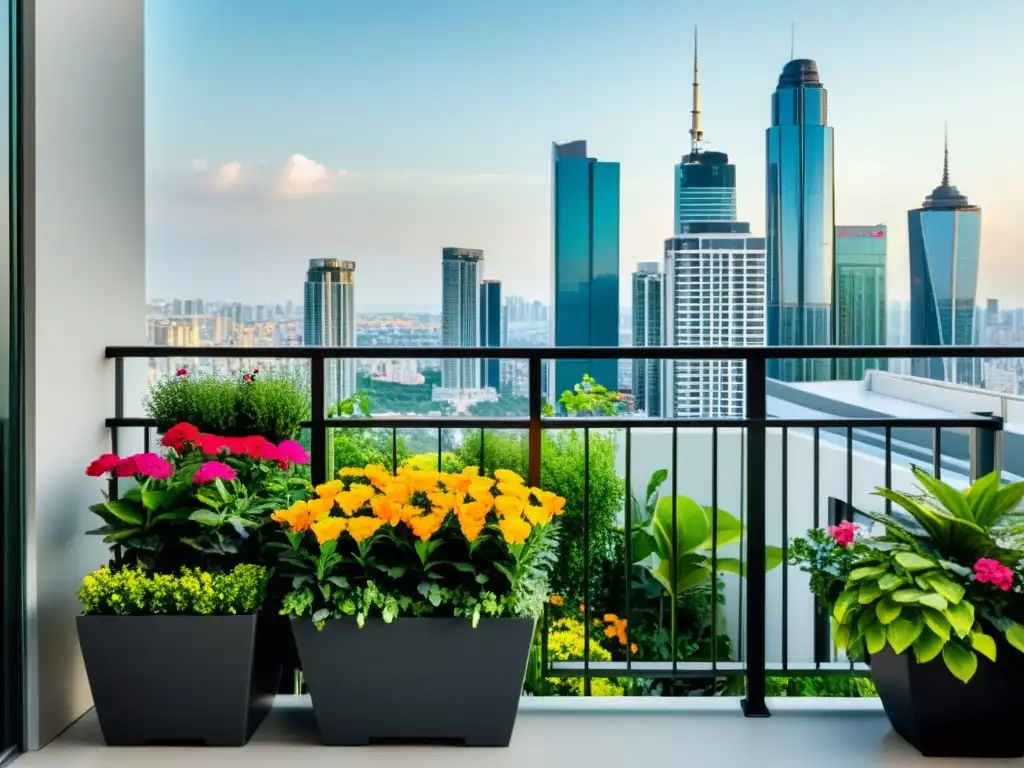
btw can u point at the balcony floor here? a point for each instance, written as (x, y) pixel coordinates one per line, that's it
(558, 733)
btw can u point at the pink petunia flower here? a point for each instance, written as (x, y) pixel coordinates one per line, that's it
(844, 533)
(213, 470)
(988, 571)
(152, 465)
(290, 451)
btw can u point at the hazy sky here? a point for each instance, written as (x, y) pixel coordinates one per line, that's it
(281, 130)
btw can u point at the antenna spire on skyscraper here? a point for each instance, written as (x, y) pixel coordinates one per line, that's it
(696, 134)
(792, 40)
(945, 157)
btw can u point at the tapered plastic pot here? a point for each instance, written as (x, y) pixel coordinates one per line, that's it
(416, 680)
(181, 680)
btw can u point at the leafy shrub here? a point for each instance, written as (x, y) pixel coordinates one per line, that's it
(566, 642)
(133, 591)
(832, 686)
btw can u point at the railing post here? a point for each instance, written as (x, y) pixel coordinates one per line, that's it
(983, 446)
(318, 427)
(756, 413)
(535, 414)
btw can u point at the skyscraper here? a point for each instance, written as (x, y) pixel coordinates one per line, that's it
(329, 321)
(490, 331)
(714, 297)
(460, 322)
(945, 248)
(800, 221)
(585, 263)
(705, 182)
(860, 295)
(647, 332)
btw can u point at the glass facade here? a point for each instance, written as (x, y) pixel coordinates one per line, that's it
(647, 332)
(490, 331)
(585, 263)
(460, 314)
(329, 321)
(705, 189)
(860, 295)
(800, 221)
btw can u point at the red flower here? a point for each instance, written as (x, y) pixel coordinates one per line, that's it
(152, 465)
(234, 445)
(213, 470)
(177, 436)
(127, 467)
(247, 377)
(106, 463)
(988, 571)
(253, 446)
(291, 452)
(211, 445)
(843, 533)
(181, 372)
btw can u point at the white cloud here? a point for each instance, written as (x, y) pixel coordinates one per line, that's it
(228, 176)
(302, 177)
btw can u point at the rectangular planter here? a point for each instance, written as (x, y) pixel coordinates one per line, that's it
(416, 680)
(181, 679)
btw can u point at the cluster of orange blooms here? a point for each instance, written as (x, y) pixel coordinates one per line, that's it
(421, 499)
(614, 626)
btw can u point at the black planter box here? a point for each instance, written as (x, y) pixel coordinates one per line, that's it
(943, 717)
(416, 680)
(177, 680)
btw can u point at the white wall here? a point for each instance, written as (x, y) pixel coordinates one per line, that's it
(651, 450)
(85, 288)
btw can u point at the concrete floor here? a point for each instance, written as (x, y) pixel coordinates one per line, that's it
(560, 733)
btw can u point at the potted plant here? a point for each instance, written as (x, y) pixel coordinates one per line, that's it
(176, 647)
(415, 600)
(933, 599)
(251, 402)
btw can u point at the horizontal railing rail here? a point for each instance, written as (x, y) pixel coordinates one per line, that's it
(755, 427)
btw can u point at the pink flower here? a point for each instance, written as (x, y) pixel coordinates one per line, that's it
(843, 533)
(181, 372)
(106, 463)
(152, 465)
(291, 452)
(213, 470)
(988, 571)
(127, 467)
(247, 377)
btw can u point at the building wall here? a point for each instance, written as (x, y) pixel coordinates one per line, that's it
(491, 331)
(460, 323)
(861, 311)
(84, 200)
(705, 189)
(647, 332)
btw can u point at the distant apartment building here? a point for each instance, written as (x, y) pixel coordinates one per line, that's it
(329, 321)
(490, 332)
(460, 314)
(861, 312)
(647, 332)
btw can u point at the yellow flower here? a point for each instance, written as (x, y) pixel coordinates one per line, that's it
(388, 509)
(514, 529)
(443, 502)
(513, 489)
(351, 472)
(378, 476)
(420, 479)
(471, 471)
(398, 491)
(509, 506)
(555, 505)
(456, 483)
(319, 508)
(329, 490)
(328, 529)
(361, 528)
(296, 516)
(472, 518)
(422, 461)
(507, 476)
(537, 515)
(556, 600)
(482, 492)
(351, 502)
(425, 526)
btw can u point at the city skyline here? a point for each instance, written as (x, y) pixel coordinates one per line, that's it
(247, 190)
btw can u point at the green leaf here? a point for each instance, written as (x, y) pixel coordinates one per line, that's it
(984, 644)
(914, 562)
(123, 511)
(730, 529)
(325, 590)
(936, 526)
(868, 572)
(928, 646)
(947, 495)
(773, 558)
(1015, 636)
(643, 543)
(887, 610)
(152, 500)
(907, 595)
(339, 581)
(868, 593)
(890, 581)
(397, 571)
(658, 478)
(874, 637)
(932, 600)
(902, 632)
(950, 590)
(691, 526)
(322, 615)
(981, 498)
(936, 622)
(961, 617)
(219, 484)
(206, 517)
(127, 533)
(841, 636)
(846, 600)
(960, 661)
(209, 501)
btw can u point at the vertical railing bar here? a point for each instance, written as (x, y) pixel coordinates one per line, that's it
(394, 450)
(118, 414)
(534, 435)
(673, 551)
(714, 550)
(756, 410)
(318, 427)
(821, 629)
(145, 440)
(587, 609)
(888, 467)
(849, 484)
(439, 439)
(785, 549)
(937, 455)
(629, 545)
(483, 467)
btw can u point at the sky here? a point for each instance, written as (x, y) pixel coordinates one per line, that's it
(279, 131)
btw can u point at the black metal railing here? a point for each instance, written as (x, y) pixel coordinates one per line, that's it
(755, 428)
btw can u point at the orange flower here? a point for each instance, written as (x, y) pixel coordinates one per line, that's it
(423, 480)
(319, 508)
(632, 647)
(616, 627)
(482, 493)
(378, 476)
(556, 600)
(472, 517)
(296, 516)
(329, 490)
(398, 491)
(328, 529)
(514, 489)
(425, 526)
(351, 472)
(514, 529)
(509, 506)
(361, 528)
(443, 503)
(456, 483)
(507, 476)
(387, 509)
(537, 515)
(555, 505)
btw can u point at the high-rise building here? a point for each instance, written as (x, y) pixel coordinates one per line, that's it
(460, 314)
(714, 297)
(585, 263)
(705, 182)
(647, 332)
(329, 321)
(800, 221)
(945, 248)
(860, 295)
(992, 318)
(490, 331)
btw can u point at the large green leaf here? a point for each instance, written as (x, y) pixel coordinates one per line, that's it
(1015, 636)
(887, 610)
(206, 517)
(928, 646)
(902, 632)
(961, 617)
(914, 562)
(950, 590)
(844, 603)
(729, 528)
(981, 498)
(933, 600)
(874, 637)
(936, 525)
(947, 495)
(868, 572)
(1007, 499)
(868, 593)
(658, 478)
(772, 557)
(692, 570)
(124, 511)
(890, 581)
(152, 500)
(937, 622)
(643, 544)
(691, 527)
(960, 661)
(984, 644)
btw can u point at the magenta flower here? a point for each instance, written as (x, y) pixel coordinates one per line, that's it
(291, 452)
(988, 571)
(844, 533)
(153, 465)
(213, 470)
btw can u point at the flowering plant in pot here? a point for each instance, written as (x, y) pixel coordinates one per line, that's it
(933, 598)
(186, 585)
(455, 565)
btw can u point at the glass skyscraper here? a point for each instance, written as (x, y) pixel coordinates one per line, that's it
(860, 295)
(490, 331)
(945, 248)
(647, 322)
(460, 307)
(329, 321)
(800, 221)
(705, 189)
(585, 263)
